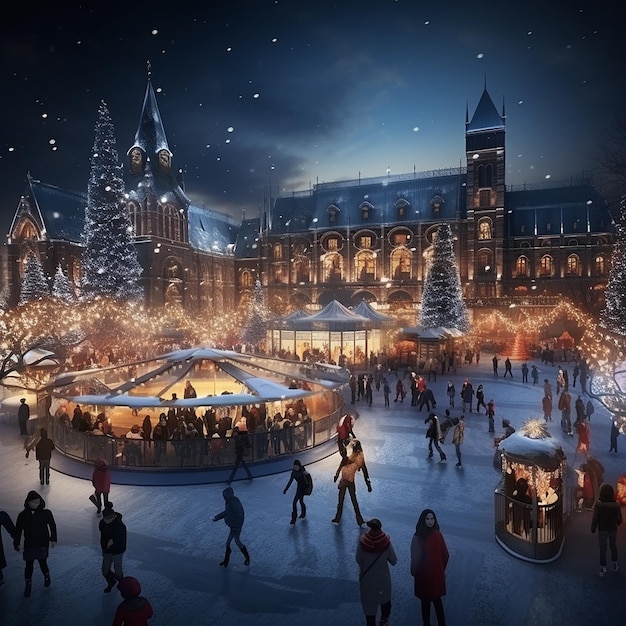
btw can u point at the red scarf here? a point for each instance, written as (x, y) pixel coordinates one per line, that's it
(374, 541)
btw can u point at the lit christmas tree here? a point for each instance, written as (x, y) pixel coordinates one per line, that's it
(442, 300)
(254, 329)
(62, 287)
(110, 265)
(613, 317)
(34, 283)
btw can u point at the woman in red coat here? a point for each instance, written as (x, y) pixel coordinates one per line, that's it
(101, 481)
(429, 557)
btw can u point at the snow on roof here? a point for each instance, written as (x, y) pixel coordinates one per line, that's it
(543, 451)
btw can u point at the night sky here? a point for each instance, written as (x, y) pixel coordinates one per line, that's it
(285, 94)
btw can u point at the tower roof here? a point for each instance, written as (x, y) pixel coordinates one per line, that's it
(150, 135)
(486, 116)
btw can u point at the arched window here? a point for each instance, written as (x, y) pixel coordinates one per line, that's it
(333, 214)
(366, 211)
(600, 265)
(546, 268)
(484, 229)
(521, 267)
(573, 265)
(484, 265)
(365, 266)
(333, 268)
(401, 262)
(300, 269)
(402, 207)
(246, 278)
(436, 206)
(485, 176)
(171, 223)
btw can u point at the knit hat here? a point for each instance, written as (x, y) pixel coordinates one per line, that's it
(375, 524)
(129, 587)
(108, 510)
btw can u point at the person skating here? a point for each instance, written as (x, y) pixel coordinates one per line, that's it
(233, 515)
(480, 398)
(299, 474)
(507, 368)
(348, 468)
(607, 516)
(7, 522)
(433, 434)
(374, 554)
(113, 545)
(345, 432)
(491, 413)
(43, 453)
(37, 525)
(134, 610)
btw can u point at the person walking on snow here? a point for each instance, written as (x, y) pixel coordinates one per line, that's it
(495, 364)
(450, 390)
(233, 515)
(113, 545)
(23, 415)
(429, 558)
(491, 413)
(298, 473)
(348, 467)
(524, 373)
(546, 404)
(433, 434)
(534, 374)
(507, 368)
(43, 453)
(242, 443)
(374, 554)
(607, 516)
(37, 525)
(457, 438)
(101, 481)
(480, 398)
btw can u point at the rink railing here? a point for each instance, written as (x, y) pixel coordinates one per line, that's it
(200, 452)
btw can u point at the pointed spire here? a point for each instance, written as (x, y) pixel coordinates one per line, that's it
(150, 136)
(486, 115)
(503, 112)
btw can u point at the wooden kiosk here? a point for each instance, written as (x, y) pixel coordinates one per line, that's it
(529, 500)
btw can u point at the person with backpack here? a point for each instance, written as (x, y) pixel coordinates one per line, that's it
(345, 431)
(304, 487)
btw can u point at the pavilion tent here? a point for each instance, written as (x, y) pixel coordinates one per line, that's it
(334, 333)
(365, 309)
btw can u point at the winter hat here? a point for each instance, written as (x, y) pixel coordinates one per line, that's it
(375, 524)
(100, 462)
(129, 587)
(108, 510)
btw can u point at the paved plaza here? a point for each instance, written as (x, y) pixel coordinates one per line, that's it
(306, 574)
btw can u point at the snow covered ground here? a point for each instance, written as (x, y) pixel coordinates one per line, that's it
(306, 574)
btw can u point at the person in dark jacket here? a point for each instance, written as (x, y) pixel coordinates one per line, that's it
(297, 474)
(113, 545)
(23, 415)
(607, 516)
(43, 453)
(241, 443)
(7, 522)
(37, 525)
(233, 515)
(101, 481)
(433, 434)
(135, 610)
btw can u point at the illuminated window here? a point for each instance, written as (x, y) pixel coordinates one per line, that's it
(332, 243)
(546, 269)
(365, 263)
(365, 242)
(401, 264)
(600, 265)
(484, 229)
(278, 252)
(484, 265)
(521, 267)
(573, 265)
(246, 278)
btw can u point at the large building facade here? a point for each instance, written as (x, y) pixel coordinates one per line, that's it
(366, 239)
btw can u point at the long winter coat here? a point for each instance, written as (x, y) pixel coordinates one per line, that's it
(233, 513)
(375, 582)
(38, 526)
(44, 447)
(5, 521)
(429, 558)
(101, 477)
(607, 516)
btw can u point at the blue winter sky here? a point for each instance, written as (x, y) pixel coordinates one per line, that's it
(288, 93)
